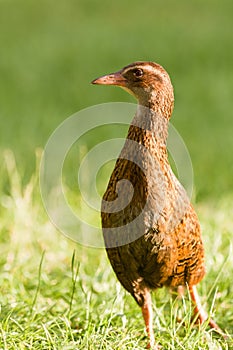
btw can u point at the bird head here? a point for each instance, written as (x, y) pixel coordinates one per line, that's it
(147, 81)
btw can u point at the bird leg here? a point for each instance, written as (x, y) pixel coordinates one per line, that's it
(180, 291)
(200, 312)
(147, 313)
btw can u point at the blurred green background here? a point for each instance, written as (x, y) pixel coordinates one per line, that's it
(50, 51)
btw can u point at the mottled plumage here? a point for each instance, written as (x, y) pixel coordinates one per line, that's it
(151, 231)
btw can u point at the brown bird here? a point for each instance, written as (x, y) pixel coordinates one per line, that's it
(151, 231)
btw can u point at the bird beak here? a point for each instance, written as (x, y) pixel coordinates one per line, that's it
(111, 79)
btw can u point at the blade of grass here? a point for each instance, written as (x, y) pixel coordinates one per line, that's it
(74, 271)
(39, 282)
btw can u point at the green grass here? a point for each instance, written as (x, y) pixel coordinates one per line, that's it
(54, 293)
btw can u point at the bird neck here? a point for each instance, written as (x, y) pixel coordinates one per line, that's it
(149, 125)
(160, 101)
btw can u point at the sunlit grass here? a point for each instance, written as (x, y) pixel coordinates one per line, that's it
(56, 294)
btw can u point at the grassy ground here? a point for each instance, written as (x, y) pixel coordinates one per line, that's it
(56, 294)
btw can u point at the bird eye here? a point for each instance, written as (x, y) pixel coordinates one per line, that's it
(138, 72)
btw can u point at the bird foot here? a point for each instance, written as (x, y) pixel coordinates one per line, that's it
(203, 317)
(217, 329)
(200, 315)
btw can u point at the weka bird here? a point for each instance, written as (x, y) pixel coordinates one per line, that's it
(151, 231)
